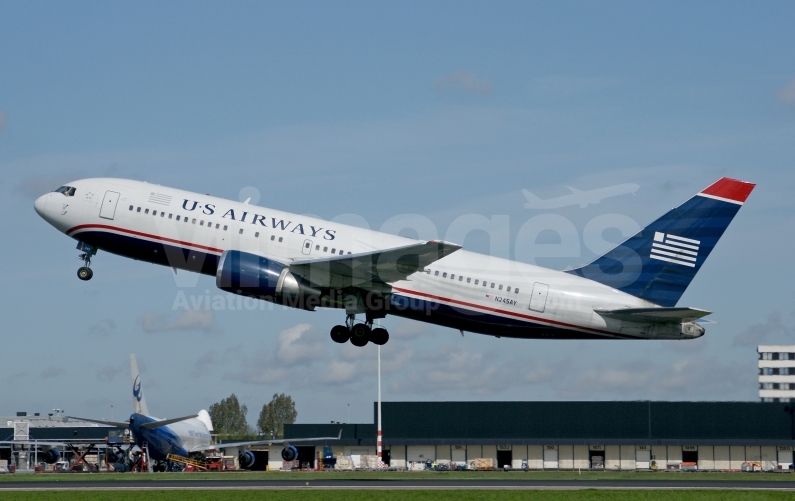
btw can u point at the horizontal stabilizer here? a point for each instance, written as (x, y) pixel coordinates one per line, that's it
(117, 424)
(375, 267)
(657, 315)
(157, 424)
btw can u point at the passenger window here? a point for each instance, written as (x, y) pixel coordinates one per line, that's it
(444, 275)
(225, 227)
(241, 231)
(485, 283)
(217, 226)
(317, 247)
(469, 279)
(516, 291)
(162, 214)
(460, 277)
(139, 209)
(273, 237)
(492, 285)
(306, 245)
(169, 216)
(452, 277)
(131, 207)
(201, 223)
(500, 286)
(508, 288)
(194, 221)
(476, 281)
(256, 235)
(325, 249)
(154, 212)
(436, 273)
(177, 218)
(333, 251)
(342, 252)
(146, 211)
(280, 239)
(428, 272)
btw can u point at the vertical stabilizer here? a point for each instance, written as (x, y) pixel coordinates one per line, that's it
(139, 402)
(659, 262)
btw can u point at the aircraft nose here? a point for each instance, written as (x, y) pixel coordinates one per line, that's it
(40, 204)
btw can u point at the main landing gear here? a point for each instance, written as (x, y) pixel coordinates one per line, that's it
(359, 334)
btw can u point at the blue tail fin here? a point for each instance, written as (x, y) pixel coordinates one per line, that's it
(659, 262)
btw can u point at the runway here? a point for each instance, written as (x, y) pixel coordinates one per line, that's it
(380, 484)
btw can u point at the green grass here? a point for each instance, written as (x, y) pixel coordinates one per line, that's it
(397, 475)
(456, 495)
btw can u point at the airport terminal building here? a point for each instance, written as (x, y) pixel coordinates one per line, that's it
(571, 435)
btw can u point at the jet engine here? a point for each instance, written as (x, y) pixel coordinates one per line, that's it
(255, 276)
(52, 456)
(246, 459)
(289, 453)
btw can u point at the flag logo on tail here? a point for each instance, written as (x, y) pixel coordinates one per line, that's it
(673, 249)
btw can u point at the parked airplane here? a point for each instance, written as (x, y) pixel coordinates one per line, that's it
(578, 197)
(187, 436)
(629, 293)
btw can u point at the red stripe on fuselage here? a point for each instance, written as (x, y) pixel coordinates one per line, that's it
(504, 312)
(141, 234)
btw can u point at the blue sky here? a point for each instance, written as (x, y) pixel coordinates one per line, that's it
(383, 114)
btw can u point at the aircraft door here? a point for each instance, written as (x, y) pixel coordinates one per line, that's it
(307, 248)
(539, 298)
(108, 209)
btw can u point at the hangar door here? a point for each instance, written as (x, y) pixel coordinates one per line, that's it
(550, 457)
(784, 457)
(643, 458)
(421, 453)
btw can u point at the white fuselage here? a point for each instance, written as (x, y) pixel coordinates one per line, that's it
(148, 217)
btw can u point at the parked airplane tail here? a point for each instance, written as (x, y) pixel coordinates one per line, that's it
(139, 402)
(660, 261)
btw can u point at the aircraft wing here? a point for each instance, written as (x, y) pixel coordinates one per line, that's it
(117, 424)
(673, 315)
(371, 270)
(99, 443)
(249, 443)
(163, 422)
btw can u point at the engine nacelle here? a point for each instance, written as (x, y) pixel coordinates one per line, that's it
(52, 456)
(289, 453)
(246, 459)
(255, 276)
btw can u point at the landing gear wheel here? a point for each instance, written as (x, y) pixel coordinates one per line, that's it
(379, 336)
(360, 335)
(84, 273)
(340, 334)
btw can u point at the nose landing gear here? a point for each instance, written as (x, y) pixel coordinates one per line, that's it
(84, 272)
(359, 334)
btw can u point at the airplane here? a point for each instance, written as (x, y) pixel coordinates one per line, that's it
(578, 197)
(631, 292)
(187, 436)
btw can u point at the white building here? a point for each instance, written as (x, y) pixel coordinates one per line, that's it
(776, 373)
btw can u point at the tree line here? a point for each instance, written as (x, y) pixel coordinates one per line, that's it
(229, 417)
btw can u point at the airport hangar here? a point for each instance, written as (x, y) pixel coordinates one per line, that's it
(570, 435)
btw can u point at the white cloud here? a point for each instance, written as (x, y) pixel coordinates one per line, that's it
(772, 327)
(51, 372)
(294, 346)
(786, 94)
(104, 327)
(189, 320)
(464, 80)
(338, 372)
(108, 373)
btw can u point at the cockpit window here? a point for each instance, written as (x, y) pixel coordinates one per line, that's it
(66, 191)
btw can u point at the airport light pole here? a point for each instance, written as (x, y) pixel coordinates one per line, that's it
(380, 435)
